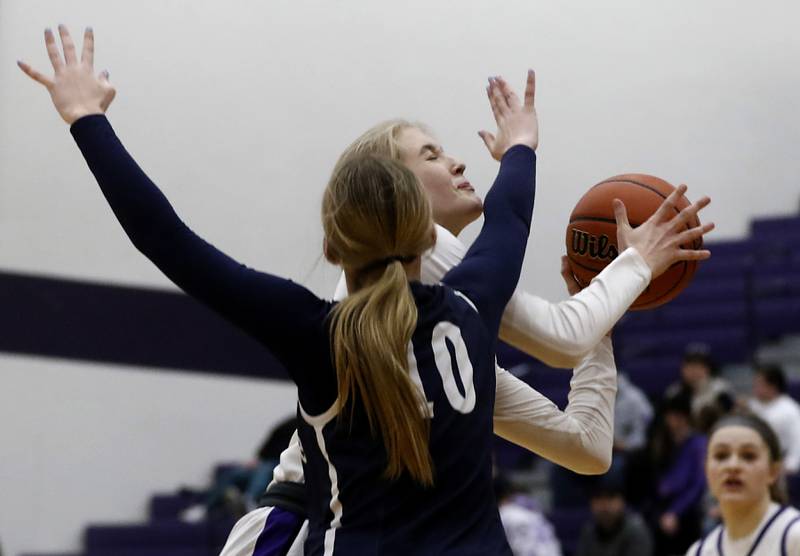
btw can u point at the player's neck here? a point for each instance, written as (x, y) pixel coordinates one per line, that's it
(742, 520)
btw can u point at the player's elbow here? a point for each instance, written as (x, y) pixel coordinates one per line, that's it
(593, 462)
(563, 359)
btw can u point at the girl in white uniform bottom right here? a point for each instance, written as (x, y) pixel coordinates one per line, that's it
(743, 469)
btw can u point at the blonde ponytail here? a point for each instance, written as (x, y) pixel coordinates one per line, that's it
(375, 214)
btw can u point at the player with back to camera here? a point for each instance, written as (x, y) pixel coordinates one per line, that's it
(398, 458)
(743, 468)
(573, 439)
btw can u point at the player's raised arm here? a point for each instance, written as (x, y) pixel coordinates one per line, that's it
(490, 270)
(268, 307)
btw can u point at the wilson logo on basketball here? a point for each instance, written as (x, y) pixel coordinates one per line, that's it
(601, 248)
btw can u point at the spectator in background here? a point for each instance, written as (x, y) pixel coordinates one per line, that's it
(632, 416)
(680, 479)
(711, 396)
(238, 488)
(773, 405)
(614, 529)
(527, 530)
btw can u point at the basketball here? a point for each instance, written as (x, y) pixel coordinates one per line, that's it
(592, 233)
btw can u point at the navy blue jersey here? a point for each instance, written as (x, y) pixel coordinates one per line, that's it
(352, 508)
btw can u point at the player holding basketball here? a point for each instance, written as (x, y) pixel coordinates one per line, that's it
(562, 448)
(743, 468)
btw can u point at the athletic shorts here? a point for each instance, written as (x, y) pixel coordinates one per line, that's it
(268, 531)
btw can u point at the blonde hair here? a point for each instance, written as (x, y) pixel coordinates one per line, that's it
(381, 139)
(376, 216)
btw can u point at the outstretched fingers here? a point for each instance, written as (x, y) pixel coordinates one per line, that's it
(688, 237)
(52, 50)
(687, 216)
(492, 102)
(499, 99)
(87, 56)
(530, 90)
(69, 46)
(35, 75)
(667, 208)
(692, 254)
(508, 93)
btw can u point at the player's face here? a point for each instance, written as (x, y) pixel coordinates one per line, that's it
(738, 466)
(454, 201)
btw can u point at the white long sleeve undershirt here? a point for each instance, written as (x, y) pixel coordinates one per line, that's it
(568, 333)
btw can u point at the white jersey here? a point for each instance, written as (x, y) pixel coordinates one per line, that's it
(778, 534)
(783, 414)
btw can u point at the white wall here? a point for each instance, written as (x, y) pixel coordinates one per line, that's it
(238, 110)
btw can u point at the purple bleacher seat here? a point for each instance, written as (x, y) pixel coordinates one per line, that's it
(717, 288)
(727, 343)
(156, 551)
(653, 376)
(508, 356)
(778, 227)
(220, 529)
(169, 506)
(774, 316)
(48, 554)
(154, 535)
(729, 313)
(541, 376)
(568, 524)
(556, 394)
(776, 282)
(638, 320)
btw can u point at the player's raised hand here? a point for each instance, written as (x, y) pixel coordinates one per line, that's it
(516, 120)
(75, 90)
(658, 240)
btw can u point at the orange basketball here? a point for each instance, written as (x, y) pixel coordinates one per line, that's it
(592, 233)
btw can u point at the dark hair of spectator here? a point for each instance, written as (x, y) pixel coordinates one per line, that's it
(774, 376)
(680, 403)
(777, 490)
(700, 353)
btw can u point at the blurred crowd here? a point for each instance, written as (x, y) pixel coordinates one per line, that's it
(654, 501)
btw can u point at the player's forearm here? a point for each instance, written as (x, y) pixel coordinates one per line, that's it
(561, 334)
(579, 438)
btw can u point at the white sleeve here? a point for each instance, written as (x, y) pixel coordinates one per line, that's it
(579, 438)
(558, 334)
(561, 334)
(290, 468)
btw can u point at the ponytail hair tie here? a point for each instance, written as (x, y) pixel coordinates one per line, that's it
(388, 260)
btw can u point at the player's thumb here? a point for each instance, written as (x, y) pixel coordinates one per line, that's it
(620, 214)
(488, 139)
